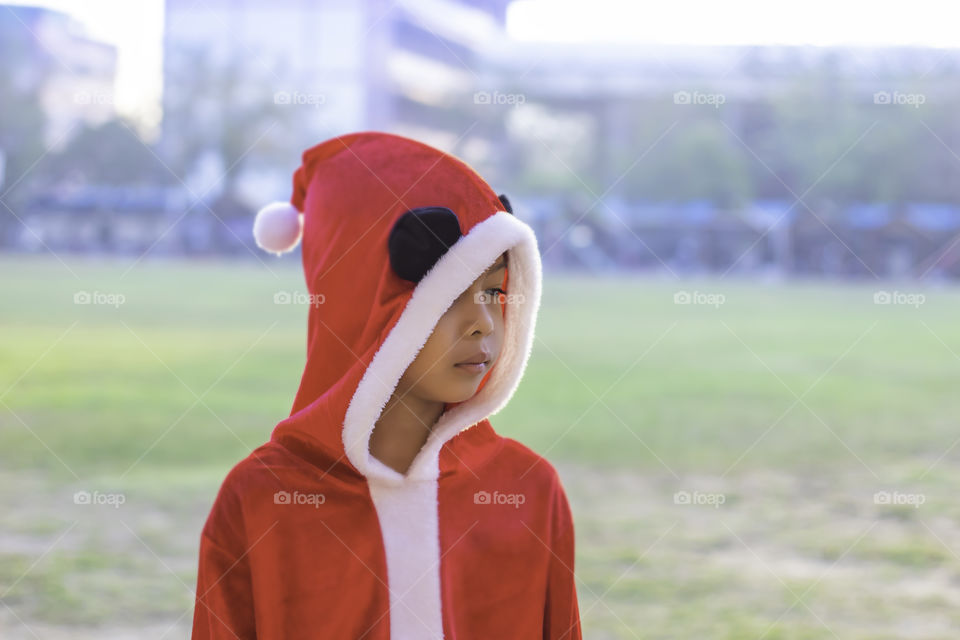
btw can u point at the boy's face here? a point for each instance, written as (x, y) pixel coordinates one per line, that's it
(473, 323)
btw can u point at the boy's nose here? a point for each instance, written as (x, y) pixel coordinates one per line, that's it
(481, 315)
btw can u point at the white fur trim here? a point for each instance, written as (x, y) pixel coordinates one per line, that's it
(407, 504)
(409, 522)
(278, 227)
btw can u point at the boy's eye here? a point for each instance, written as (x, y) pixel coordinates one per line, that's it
(491, 295)
(496, 292)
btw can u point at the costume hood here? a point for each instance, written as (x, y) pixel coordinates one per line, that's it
(310, 535)
(392, 232)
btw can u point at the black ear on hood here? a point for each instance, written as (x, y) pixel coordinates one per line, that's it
(419, 238)
(505, 202)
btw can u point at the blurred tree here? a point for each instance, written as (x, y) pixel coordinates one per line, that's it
(555, 149)
(816, 125)
(23, 122)
(694, 159)
(830, 136)
(107, 154)
(220, 105)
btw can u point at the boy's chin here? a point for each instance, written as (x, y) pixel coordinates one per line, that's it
(460, 392)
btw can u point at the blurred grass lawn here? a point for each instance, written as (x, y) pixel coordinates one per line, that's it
(160, 396)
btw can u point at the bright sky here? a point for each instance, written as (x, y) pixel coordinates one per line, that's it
(818, 22)
(136, 27)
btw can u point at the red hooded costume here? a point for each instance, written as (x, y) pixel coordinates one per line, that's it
(311, 536)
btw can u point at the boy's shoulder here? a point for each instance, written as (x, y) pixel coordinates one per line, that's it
(259, 472)
(253, 481)
(262, 460)
(528, 462)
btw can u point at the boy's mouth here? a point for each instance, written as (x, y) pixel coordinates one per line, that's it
(473, 367)
(476, 363)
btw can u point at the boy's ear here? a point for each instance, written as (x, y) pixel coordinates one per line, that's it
(419, 238)
(505, 202)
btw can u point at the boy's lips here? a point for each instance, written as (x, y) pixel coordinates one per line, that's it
(472, 367)
(476, 363)
(480, 357)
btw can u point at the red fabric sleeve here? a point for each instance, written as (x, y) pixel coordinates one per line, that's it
(561, 619)
(223, 608)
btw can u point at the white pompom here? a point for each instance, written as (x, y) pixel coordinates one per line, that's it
(278, 227)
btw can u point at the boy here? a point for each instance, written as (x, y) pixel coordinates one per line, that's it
(386, 506)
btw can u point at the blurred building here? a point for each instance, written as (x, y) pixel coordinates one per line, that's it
(346, 65)
(73, 74)
(296, 72)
